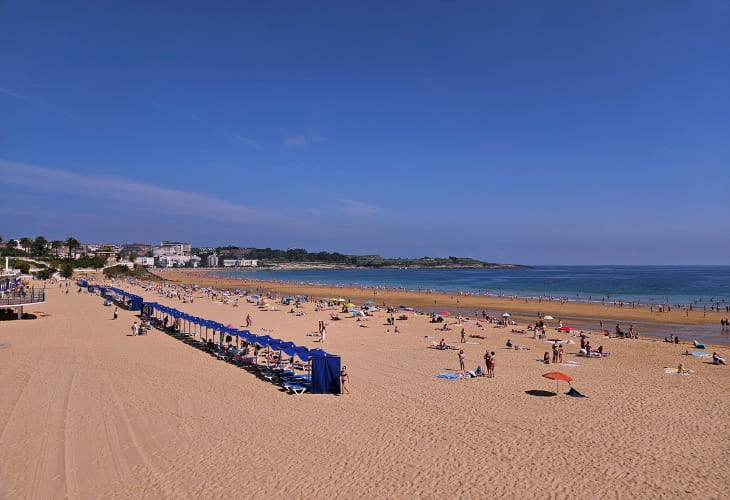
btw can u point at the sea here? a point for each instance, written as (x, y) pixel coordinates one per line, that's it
(646, 286)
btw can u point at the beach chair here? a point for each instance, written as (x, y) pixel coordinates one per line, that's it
(295, 388)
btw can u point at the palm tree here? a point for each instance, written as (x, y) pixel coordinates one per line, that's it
(56, 244)
(72, 244)
(26, 243)
(40, 246)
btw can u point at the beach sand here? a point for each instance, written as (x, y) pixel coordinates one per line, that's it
(87, 411)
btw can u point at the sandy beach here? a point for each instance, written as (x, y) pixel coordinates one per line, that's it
(88, 411)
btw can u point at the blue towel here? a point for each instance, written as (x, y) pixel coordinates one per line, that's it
(449, 376)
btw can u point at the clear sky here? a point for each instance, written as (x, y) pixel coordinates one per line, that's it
(532, 132)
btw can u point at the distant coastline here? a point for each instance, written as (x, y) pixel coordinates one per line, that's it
(294, 266)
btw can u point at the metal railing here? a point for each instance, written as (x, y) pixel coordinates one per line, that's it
(16, 298)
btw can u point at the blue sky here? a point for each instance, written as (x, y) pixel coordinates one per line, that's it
(561, 132)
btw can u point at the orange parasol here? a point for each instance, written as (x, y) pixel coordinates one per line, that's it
(556, 376)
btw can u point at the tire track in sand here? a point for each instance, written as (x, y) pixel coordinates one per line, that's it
(51, 454)
(120, 414)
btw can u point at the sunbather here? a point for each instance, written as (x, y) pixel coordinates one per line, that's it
(717, 360)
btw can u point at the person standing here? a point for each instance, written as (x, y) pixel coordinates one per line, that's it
(461, 360)
(492, 364)
(323, 335)
(135, 329)
(344, 378)
(487, 361)
(249, 321)
(116, 312)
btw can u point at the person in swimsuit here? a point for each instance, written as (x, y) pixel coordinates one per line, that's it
(492, 364)
(461, 360)
(344, 377)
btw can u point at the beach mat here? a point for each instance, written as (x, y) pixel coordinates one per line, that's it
(701, 354)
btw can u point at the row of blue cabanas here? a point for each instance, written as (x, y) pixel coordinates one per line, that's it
(289, 348)
(325, 367)
(133, 302)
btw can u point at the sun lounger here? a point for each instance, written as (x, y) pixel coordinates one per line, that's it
(295, 388)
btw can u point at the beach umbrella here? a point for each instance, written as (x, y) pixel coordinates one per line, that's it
(350, 304)
(557, 376)
(547, 317)
(506, 315)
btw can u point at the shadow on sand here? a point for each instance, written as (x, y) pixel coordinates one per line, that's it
(537, 392)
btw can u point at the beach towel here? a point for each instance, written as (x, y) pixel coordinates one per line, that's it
(572, 392)
(474, 343)
(702, 354)
(674, 371)
(452, 376)
(570, 363)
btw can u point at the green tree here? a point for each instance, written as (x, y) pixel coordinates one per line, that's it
(67, 270)
(12, 244)
(22, 265)
(26, 243)
(72, 244)
(40, 246)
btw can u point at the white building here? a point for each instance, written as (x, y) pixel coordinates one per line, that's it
(212, 260)
(145, 261)
(171, 248)
(240, 263)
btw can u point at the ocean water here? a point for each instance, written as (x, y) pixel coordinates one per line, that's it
(700, 286)
(655, 285)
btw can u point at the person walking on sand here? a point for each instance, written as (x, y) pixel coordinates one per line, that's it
(116, 312)
(249, 321)
(461, 360)
(344, 377)
(463, 336)
(135, 329)
(323, 334)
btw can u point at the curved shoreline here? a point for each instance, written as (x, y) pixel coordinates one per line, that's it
(520, 306)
